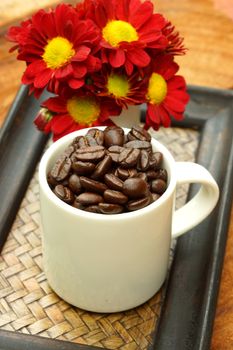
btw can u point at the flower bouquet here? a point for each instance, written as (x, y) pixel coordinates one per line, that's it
(97, 58)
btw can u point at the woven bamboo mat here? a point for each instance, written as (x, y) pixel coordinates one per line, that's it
(27, 303)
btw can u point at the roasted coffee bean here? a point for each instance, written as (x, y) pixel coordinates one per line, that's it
(110, 208)
(162, 174)
(69, 151)
(156, 160)
(115, 197)
(152, 174)
(51, 181)
(81, 141)
(102, 167)
(114, 152)
(139, 145)
(92, 185)
(142, 176)
(113, 182)
(64, 193)
(135, 187)
(77, 205)
(124, 174)
(143, 161)
(155, 196)
(61, 168)
(93, 209)
(91, 153)
(128, 157)
(98, 135)
(91, 176)
(138, 203)
(158, 186)
(137, 133)
(91, 140)
(113, 135)
(75, 184)
(83, 168)
(89, 198)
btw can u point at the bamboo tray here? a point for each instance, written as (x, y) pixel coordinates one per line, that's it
(181, 315)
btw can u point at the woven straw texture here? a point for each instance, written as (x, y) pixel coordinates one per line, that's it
(27, 303)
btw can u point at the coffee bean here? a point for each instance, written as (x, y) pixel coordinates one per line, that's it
(158, 186)
(142, 176)
(83, 168)
(139, 145)
(124, 174)
(114, 152)
(115, 197)
(138, 133)
(102, 167)
(69, 151)
(91, 153)
(64, 193)
(93, 209)
(51, 181)
(78, 205)
(92, 185)
(91, 176)
(89, 198)
(162, 174)
(138, 203)
(110, 208)
(75, 184)
(61, 168)
(135, 187)
(113, 182)
(155, 196)
(143, 161)
(97, 134)
(113, 135)
(156, 160)
(128, 157)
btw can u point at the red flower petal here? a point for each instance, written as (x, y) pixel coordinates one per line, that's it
(138, 57)
(75, 83)
(117, 58)
(55, 104)
(176, 82)
(63, 72)
(42, 79)
(61, 123)
(82, 53)
(174, 104)
(141, 15)
(79, 70)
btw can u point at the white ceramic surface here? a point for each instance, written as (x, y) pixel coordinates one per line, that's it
(109, 263)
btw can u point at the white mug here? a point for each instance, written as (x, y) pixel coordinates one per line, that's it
(110, 263)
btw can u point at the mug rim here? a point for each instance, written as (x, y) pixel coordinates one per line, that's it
(64, 142)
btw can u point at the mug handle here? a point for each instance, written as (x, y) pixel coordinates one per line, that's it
(201, 205)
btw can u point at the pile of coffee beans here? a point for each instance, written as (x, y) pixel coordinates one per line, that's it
(109, 172)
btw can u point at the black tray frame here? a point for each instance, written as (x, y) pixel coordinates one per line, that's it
(188, 310)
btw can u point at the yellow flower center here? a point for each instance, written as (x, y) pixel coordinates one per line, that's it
(84, 110)
(58, 52)
(117, 31)
(118, 85)
(157, 89)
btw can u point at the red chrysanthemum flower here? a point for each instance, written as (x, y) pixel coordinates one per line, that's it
(118, 86)
(166, 94)
(175, 41)
(58, 49)
(19, 34)
(128, 28)
(78, 112)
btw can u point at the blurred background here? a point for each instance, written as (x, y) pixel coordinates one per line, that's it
(207, 26)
